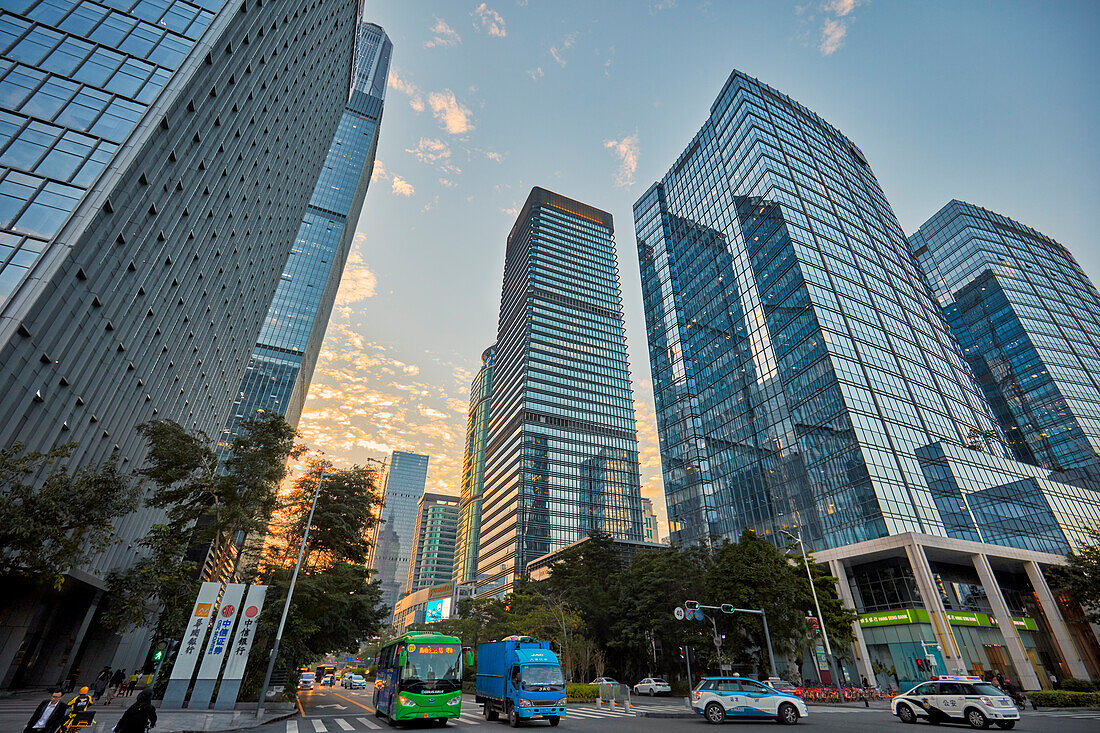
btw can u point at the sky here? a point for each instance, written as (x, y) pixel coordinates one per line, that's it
(992, 103)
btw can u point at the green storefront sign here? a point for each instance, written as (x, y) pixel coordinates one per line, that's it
(956, 618)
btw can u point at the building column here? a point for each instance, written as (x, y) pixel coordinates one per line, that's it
(937, 614)
(863, 660)
(1062, 639)
(1028, 679)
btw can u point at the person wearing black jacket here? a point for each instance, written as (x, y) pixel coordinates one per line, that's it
(139, 716)
(48, 716)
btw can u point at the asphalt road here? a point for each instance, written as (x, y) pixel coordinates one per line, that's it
(336, 710)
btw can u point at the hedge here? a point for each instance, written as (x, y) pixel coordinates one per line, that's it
(582, 693)
(1063, 699)
(1074, 685)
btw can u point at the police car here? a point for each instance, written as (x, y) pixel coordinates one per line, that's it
(957, 699)
(718, 698)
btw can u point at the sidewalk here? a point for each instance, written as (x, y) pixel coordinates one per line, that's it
(15, 711)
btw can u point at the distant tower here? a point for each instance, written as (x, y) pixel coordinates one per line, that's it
(392, 549)
(433, 544)
(473, 470)
(563, 453)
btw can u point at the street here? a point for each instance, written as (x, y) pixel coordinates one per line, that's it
(328, 710)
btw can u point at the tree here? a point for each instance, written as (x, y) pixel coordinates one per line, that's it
(52, 520)
(1080, 578)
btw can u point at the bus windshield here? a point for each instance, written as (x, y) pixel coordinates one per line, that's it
(437, 665)
(536, 677)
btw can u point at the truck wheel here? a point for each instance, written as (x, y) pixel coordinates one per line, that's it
(490, 714)
(513, 717)
(554, 720)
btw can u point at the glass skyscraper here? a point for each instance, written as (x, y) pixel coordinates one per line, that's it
(562, 457)
(156, 158)
(473, 470)
(1028, 320)
(282, 362)
(431, 562)
(806, 380)
(393, 544)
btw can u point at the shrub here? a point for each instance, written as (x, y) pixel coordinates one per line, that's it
(1074, 685)
(1063, 698)
(582, 693)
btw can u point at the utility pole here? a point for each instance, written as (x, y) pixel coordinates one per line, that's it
(289, 595)
(820, 618)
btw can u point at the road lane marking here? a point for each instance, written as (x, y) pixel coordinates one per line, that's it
(369, 723)
(319, 725)
(365, 707)
(292, 726)
(344, 724)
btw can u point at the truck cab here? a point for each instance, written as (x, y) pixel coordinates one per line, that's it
(520, 678)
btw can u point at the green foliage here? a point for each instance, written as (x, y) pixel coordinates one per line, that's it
(582, 692)
(1075, 685)
(1080, 578)
(1063, 698)
(50, 519)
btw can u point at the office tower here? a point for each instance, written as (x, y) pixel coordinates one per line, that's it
(389, 557)
(151, 186)
(806, 382)
(649, 522)
(562, 457)
(1028, 320)
(431, 561)
(473, 470)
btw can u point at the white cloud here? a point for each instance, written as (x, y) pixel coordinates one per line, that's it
(489, 20)
(416, 100)
(430, 150)
(566, 43)
(444, 37)
(659, 5)
(627, 151)
(448, 110)
(832, 36)
(401, 187)
(495, 157)
(512, 211)
(358, 282)
(840, 8)
(535, 73)
(379, 172)
(447, 183)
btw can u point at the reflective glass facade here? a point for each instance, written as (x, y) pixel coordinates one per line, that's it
(393, 545)
(473, 470)
(799, 363)
(1028, 320)
(76, 77)
(432, 560)
(282, 363)
(562, 456)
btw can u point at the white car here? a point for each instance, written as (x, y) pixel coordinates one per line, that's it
(652, 686)
(603, 681)
(957, 699)
(719, 698)
(306, 680)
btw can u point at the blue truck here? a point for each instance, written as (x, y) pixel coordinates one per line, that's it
(520, 678)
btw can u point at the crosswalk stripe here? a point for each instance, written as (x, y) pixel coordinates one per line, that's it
(319, 725)
(344, 724)
(369, 723)
(470, 716)
(292, 726)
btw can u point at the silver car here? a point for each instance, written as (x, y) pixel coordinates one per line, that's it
(652, 686)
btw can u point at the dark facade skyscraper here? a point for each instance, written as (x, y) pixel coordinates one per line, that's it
(473, 470)
(431, 561)
(563, 454)
(282, 362)
(1028, 320)
(155, 164)
(393, 542)
(806, 381)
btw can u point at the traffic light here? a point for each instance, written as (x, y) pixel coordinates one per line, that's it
(681, 652)
(691, 605)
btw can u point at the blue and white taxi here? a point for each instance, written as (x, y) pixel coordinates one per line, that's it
(718, 698)
(955, 698)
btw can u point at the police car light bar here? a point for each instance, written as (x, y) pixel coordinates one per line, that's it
(959, 678)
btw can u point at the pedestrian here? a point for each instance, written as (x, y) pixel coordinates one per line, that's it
(116, 682)
(81, 702)
(101, 683)
(864, 679)
(139, 716)
(132, 684)
(1053, 681)
(48, 716)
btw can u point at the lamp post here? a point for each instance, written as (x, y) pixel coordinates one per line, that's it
(820, 618)
(289, 595)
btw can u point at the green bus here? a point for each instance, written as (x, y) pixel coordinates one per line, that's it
(420, 678)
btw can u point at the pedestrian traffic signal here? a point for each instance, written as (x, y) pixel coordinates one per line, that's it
(158, 655)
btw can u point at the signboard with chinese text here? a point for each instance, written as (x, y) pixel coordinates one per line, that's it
(249, 619)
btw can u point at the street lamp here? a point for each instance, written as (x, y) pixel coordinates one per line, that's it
(813, 590)
(289, 595)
